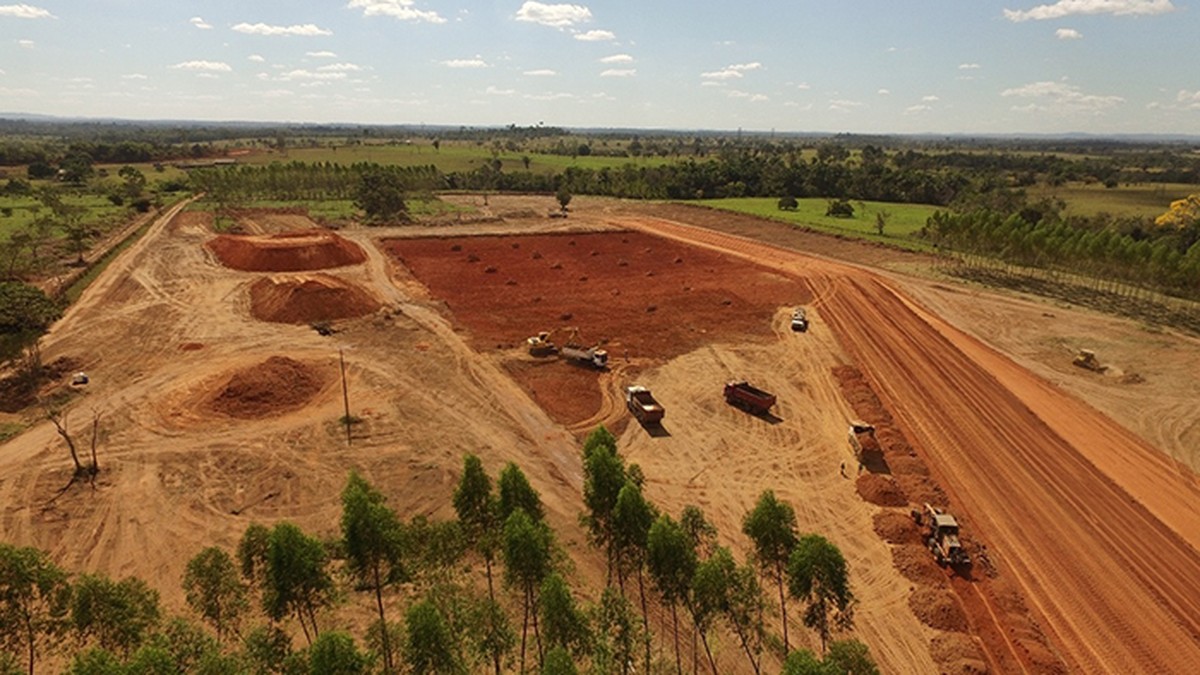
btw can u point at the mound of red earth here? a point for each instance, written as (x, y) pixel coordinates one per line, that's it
(319, 297)
(938, 608)
(880, 490)
(957, 654)
(274, 386)
(896, 527)
(286, 252)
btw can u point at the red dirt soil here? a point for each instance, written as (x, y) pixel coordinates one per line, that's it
(897, 527)
(319, 297)
(270, 388)
(286, 252)
(880, 490)
(938, 609)
(638, 295)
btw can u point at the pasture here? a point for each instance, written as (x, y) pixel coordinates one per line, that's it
(903, 220)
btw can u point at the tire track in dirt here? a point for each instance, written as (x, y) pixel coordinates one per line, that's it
(1112, 579)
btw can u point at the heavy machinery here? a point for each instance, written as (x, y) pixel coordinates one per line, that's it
(862, 439)
(748, 397)
(642, 405)
(540, 344)
(1086, 358)
(574, 349)
(799, 320)
(941, 535)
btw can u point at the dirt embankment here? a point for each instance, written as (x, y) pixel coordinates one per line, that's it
(319, 297)
(286, 252)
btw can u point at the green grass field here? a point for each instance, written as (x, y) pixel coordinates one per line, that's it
(903, 219)
(25, 210)
(1147, 199)
(341, 209)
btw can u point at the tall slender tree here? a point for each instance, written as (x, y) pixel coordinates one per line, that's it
(818, 575)
(477, 513)
(772, 528)
(527, 561)
(516, 492)
(213, 590)
(34, 600)
(373, 537)
(672, 563)
(632, 518)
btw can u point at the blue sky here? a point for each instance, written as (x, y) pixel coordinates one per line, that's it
(865, 66)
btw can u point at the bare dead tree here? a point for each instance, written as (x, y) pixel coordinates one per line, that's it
(59, 419)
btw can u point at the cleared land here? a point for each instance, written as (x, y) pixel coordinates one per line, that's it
(215, 418)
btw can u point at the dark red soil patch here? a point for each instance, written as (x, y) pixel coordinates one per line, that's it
(568, 393)
(274, 386)
(897, 527)
(957, 654)
(638, 295)
(938, 609)
(881, 490)
(286, 252)
(915, 562)
(319, 297)
(190, 346)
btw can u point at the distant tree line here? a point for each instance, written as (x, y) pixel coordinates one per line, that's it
(523, 615)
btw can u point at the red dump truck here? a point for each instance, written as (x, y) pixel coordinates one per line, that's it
(747, 397)
(641, 403)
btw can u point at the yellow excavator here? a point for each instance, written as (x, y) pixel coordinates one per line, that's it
(541, 344)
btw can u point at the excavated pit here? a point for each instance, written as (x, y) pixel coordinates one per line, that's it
(307, 299)
(286, 252)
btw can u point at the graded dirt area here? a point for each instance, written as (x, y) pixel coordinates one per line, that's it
(1085, 534)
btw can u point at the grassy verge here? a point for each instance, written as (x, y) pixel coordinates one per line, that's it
(9, 430)
(1146, 199)
(902, 220)
(76, 289)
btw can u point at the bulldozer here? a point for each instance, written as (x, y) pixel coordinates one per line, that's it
(1086, 358)
(941, 536)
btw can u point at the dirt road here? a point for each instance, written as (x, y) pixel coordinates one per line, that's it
(1096, 527)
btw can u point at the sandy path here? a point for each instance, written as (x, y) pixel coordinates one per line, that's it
(1096, 527)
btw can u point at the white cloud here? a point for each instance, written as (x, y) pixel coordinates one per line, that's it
(555, 16)
(884, 92)
(804, 85)
(340, 67)
(1060, 97)
(494, 91)
(276, 93)
(303, 30)
(402, 10)
(844, 105)
(256, 58)
(596, 36)
(25, 12)
(311, 76)
(204, 66)
(200, 23)
(619, 72)
(1076, 7)
(915, 109)
(540, 72)
(969, 66)
(465, 63)
(1068, 34)
(25, 44)
(731, 72)
(1190, 99)
(930, 99)
(549, 97)
(323, 54)
(134, 76)
(753, 98)
(617, 58)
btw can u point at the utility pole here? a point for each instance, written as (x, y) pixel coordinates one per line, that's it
(345, 394)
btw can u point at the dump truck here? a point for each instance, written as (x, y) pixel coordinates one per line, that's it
(862, 439)
(941, 535)
(748, 397)
(593, 356)
(799, 320)
(641, 403)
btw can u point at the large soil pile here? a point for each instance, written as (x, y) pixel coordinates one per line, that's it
(319, 297)
(286, 252)
(274, 386)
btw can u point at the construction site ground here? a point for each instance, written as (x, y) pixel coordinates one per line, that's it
(219, 406)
